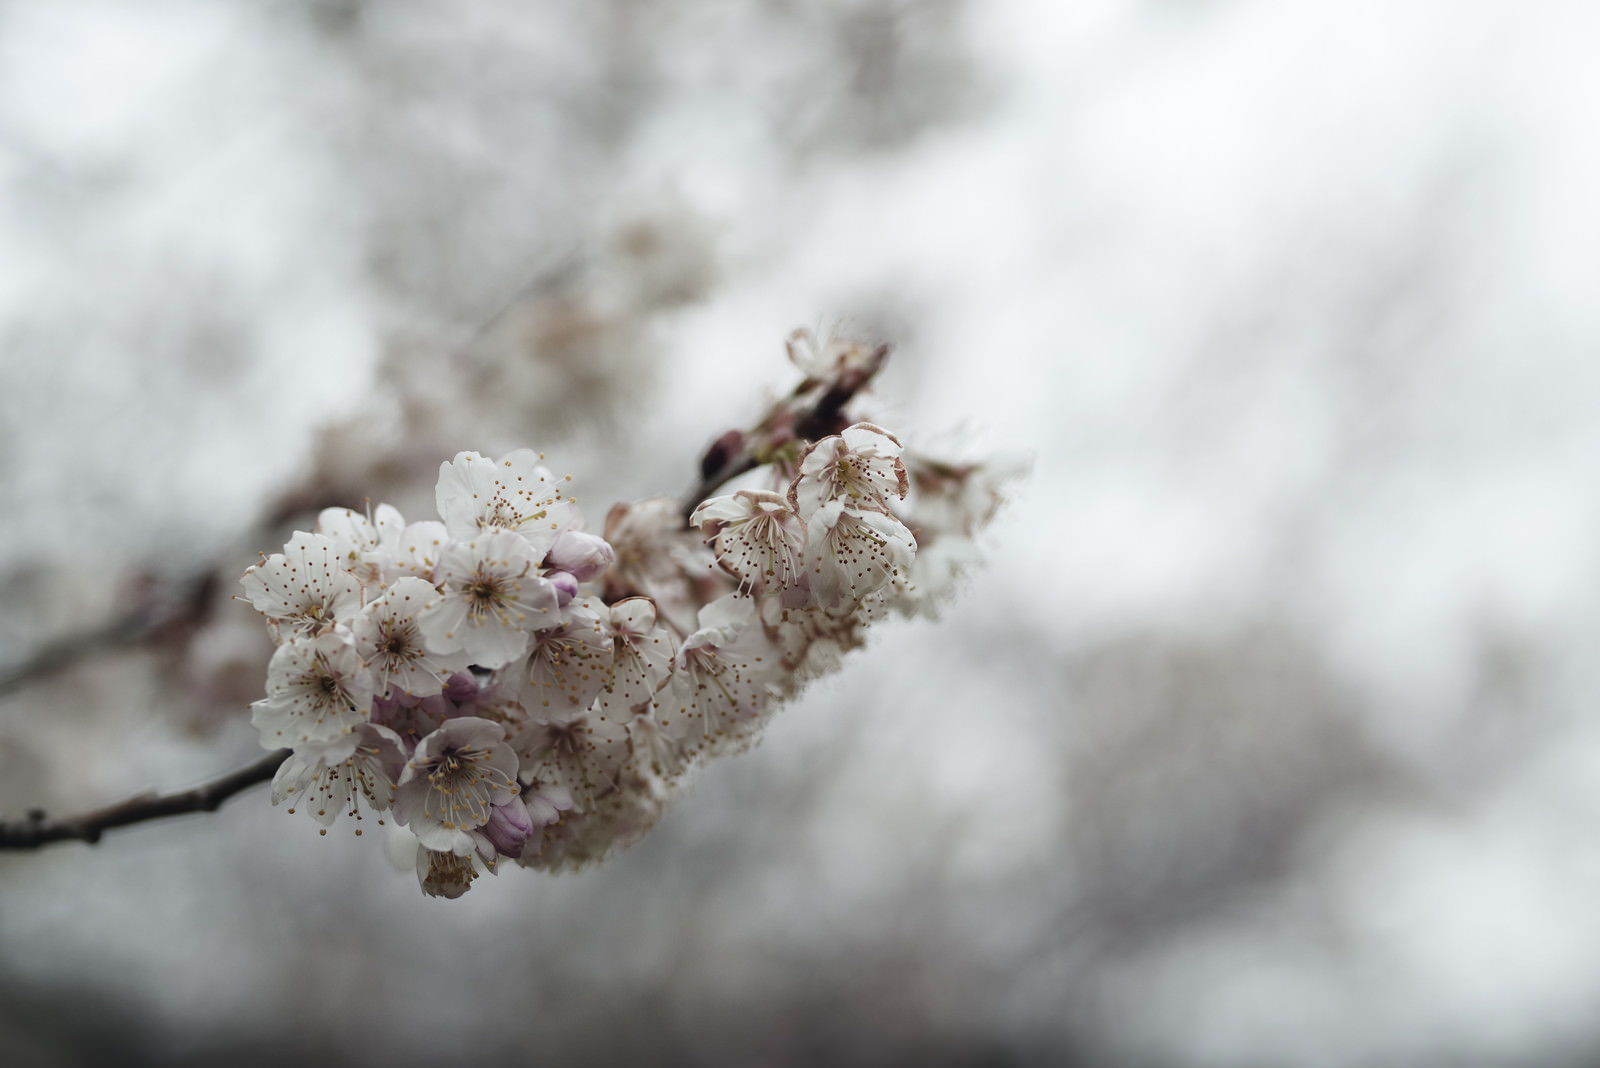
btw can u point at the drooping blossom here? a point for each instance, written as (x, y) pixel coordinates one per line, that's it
(851, 553)
(641, 657)
(444, 874)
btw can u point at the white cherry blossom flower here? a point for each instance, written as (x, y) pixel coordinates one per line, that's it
(811, 640)
(418, 549)
(445, 874)
(569, 664)
(583, 752)
(718, 695)
(834, 358)
(304, 589)
(757, 537)
(940, 565)
(452, 782)
(853, 553)
(641, 657)
(860, 466)
(515, 493)
(656, 557)
(367, 545)
(326, 786)
(662, 753)
(493, 597)
(318, 691)
(959, 498)
(389, 639)
(613, 821)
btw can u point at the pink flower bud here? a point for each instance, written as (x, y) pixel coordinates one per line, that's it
(585, 556)
(509, 828)
(566, 585)
(462, 687)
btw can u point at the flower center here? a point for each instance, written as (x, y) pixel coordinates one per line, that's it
(484, 593)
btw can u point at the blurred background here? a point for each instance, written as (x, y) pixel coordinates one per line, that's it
(1269, 734)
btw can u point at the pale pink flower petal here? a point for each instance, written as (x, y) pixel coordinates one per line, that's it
(417, 550)
(583, 555)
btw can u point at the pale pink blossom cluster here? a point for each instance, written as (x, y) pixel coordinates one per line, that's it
(506, 686)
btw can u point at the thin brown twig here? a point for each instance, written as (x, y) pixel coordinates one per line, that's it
(38, 829)
(161, 612)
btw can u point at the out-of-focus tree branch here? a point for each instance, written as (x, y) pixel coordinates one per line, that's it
(148, 620)
(39, 829)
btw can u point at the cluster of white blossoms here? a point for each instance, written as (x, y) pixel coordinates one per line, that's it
(505, 685)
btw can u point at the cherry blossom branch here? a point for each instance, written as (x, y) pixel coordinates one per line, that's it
(38, 829)
(812, 411)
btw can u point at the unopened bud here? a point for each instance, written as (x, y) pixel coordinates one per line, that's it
(566, 585)
(461, 687)
(585, 556)
(721, 451)
(509, 827)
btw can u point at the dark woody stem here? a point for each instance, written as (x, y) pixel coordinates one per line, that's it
(38, 829)
(734, 453)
